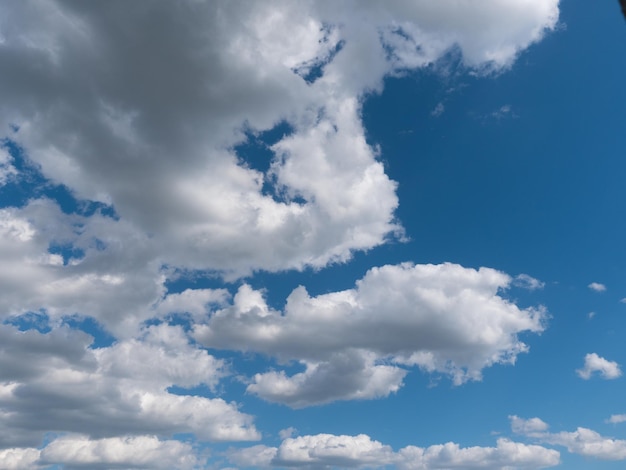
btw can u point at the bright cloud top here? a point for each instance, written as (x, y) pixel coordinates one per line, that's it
(596, 286)
(442, 318)
(155, 131)
(326, 450)
(594, 363)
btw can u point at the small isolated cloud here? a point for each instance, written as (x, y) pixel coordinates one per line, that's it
(527, 427)
(438, 111)
(595, 363)
(623, 300)
(441, 318)
(528, 282)
(596, 286)
(616, 419)
(590, 315)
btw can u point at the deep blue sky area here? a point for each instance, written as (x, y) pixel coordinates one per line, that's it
(158, 218)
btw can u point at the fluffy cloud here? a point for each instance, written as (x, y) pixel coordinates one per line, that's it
(527, 427)
(129, 452)
(62, 385)
(119, 452)
(142, 106)
(113, 277)
(327, 450)
(442, 318)
(596, 286)
(594, 363)
(616, 419)
(18, 458)
(583, 441)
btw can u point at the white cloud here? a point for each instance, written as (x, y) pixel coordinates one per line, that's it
(61, 385)
(583, 441)
(154, 134)
(528, 282)
(442, 318)
(616, 419)
(595, 363)
(126, 452)
(596, 286)
(18, 458)
(326, 450)
(527, 427)
(287, 432)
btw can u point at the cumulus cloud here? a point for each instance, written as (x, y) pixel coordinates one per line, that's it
(328, 450)
(62, 385)
(596, 286)
(616, 419)
(594, 363)
(527, 427)
(154, 131)
(583, 441)
(442, 318)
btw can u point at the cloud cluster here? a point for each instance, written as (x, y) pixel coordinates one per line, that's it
(60, 385)
(327, 450)
(130, 452)
(583, 441)
(443, 318)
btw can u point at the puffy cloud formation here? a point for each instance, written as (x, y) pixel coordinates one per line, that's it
(594, 363)
(443, 318)
(583, 441)
(143, 105)
(327, 450)
(596, 286)
(60, 385)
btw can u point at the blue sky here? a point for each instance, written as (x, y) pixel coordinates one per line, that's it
(312, 235)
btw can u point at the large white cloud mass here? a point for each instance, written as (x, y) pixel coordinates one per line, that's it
(142, 104)
(443, 318)
(329, 451)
